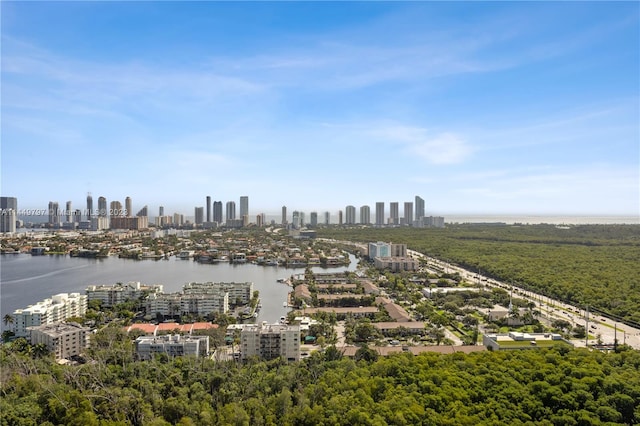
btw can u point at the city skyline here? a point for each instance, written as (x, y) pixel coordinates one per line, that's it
(482, 108)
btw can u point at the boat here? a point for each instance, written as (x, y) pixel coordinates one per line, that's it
(186, 254)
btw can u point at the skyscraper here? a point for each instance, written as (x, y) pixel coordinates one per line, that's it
(89, 207)
(161, 211)
(9, 214)
(231, 210)
(208, 209)
(69, 212)
(394, 213)
(217, 212)
(365, 215)
(419, 209)
(144, 212)
(244, 206)
(284, 215)
(102, 207)
(54, 213)
(199, 213)
(295, 219)
(408, 213)
(314, 219)
(340, 217)
(128, 206)
(380, 213)
(350, 215)
(115, 208)
(327, 218)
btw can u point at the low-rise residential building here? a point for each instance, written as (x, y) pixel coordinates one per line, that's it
(393, 328)
(111, 295)
(519, 340)
(271, 341)
(396, 264)
(48, 311)
(172, 345)
(64, 340)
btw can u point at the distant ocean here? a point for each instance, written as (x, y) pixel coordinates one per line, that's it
(537, 219)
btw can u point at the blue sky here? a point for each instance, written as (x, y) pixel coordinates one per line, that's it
(479, 108)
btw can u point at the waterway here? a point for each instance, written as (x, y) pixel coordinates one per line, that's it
(26, 279)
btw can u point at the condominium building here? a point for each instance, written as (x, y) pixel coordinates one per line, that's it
(408, 214)
(419, 205)
(64, 340)
(350, 215)
(111, 295)
(271, 341)
(217, 212)
(314, 219)
(241, 292)
(379, 249)
(9, 214)
(365, 215)
(380, 213)
(244, 206)
(172, 345)
(184, 304)
(199, 215)
(48, 311)
(394, 213)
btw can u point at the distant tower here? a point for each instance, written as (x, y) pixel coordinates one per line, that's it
(116, 208)
(89, 207)
(314, 219)
(161, 211)
(9, 216)
(54, 213)
(419, 209)
(295, 219)
(365, 215)
(217, 211)
(69, 212)
(394, 213)
(327, 218)
(102, 207)
(408, 213)
(208, 209)
(231, 210)
(128, 206)
(199, 213)
(350, 215)
(244, 206)
(380, 213)
(284, 215)
(340, 219)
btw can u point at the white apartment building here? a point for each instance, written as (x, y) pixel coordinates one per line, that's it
(56, 309)
(237, 291)
(112, 295)
(271, 341)
(172, 345)
(183, 304)
(64, 340)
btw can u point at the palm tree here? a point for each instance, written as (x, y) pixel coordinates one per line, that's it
(8, 319)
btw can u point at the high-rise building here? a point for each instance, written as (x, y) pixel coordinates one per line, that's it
(314, 219)
(350, 215)
(380, 213)
(208, 209)
(143, 212)
(102, 207)
(271, 341)
(244, 206)
(302, 221)
(161, 211)
(408, 213)
(217, 211)
(54, 213)
(128, 207)
(63, 340)
(89, 207)
(365, 215)
(9, 212)
(56, 309)
(69, 212)
(419, 209)
(340, 218)
(327, 218)
(295, 219)
(199, 213)
(178, 219)
(231, 210)
(115, 208)
(284, 215)
(394, 213)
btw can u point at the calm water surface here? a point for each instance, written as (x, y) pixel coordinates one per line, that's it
(26, 279)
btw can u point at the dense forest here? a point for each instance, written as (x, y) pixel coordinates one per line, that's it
(595, 265)
(557, 386)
